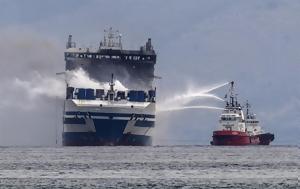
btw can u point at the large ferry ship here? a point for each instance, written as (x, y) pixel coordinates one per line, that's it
(101, 116)
(236, 128)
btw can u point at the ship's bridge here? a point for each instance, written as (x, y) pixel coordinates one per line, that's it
(111, 49)
(230, 117)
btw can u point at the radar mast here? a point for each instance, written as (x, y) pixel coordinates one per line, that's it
(112, 40)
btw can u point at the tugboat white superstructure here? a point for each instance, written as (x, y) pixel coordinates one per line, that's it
(111, 116)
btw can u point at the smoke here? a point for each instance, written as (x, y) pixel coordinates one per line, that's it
(80, 79)
(40, 85)
(29, 87)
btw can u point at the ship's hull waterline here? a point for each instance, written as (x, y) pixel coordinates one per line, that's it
(236, 138)
(92, 139)
(86, 129)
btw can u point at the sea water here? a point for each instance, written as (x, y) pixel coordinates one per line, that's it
(150, 167)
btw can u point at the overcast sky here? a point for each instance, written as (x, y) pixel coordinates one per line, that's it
(199, 43)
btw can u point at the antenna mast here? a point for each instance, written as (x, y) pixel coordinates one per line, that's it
(112, 40)
(231, 91)
(247, 109)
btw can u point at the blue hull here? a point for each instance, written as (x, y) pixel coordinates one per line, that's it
(109, 132)
(91, 139)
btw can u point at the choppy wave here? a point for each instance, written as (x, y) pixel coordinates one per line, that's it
(150, 167)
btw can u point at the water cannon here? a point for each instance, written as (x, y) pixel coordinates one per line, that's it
(231, 89)
(111, 92)
(112, 83)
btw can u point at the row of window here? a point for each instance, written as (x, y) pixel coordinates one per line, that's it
(228, 118)
(124, 57)
(252, 121)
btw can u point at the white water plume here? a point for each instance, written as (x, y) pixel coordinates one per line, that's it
(214, 87)
(189, 107)
(186, 98)
(80, 79)
(192, 94)
(179, 101)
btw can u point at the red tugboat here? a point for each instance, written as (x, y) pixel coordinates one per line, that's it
(235, 129)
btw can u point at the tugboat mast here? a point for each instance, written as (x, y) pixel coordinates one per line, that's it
(232, 97)
(231, 93)
(247, 109)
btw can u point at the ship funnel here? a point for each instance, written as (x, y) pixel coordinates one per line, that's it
(70, 44)
(149, 45)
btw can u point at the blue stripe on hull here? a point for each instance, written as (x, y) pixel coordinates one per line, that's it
(87, 114)
(108, 132)
(107, 124)
(92, 139)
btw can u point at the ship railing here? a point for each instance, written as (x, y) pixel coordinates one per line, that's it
(101, 94)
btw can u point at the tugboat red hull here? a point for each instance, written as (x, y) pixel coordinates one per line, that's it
(230, 138)
(234, 138)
